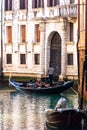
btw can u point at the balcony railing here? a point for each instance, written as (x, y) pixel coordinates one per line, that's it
(49, 12)
(58, 11)
(68, 10)
(19, 15)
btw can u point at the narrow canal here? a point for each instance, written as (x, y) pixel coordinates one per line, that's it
(21, 111)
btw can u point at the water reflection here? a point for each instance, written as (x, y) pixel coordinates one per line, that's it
(26, 111)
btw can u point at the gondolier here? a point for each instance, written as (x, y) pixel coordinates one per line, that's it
(50, 73)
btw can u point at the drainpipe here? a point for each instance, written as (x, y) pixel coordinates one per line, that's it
(78, 40)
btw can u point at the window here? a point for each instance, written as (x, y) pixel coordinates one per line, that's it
(69, 59)
(8, 5)
(23, 33)
(9, 34)
(22, 59)
(72, 1)
(23, 4)
(51, 3)
(37, 59)
(8, 58)
(37, 3)
(71, 31)
(37, 32)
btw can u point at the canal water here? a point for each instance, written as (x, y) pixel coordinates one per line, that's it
(21, 111)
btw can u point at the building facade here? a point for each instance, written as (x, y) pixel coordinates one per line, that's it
(0, 37)
(38, 34)
(82, 47)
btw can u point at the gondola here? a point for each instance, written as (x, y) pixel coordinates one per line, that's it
(65, 117)
(30, 87)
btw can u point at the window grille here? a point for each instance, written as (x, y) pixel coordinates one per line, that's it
(8, 58)
(22, 59)
(69, 59)
(37, 59)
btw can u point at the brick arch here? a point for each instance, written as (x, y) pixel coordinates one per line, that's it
(55, 52)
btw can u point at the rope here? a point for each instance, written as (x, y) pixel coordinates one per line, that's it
(74, 91)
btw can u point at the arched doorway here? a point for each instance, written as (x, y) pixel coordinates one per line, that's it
(55, 53)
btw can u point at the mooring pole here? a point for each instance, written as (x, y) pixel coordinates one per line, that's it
(86, 44)
(84, 75)
(1, 38)
(82, 91)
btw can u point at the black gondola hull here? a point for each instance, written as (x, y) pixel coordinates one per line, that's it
(44, 90)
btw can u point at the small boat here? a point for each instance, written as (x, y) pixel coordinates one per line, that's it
(30, 87)
(64, 117)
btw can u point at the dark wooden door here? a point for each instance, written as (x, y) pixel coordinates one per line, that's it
(55, 53)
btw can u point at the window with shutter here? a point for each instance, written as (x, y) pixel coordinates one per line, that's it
(71, 31)
(9, 34)
(23, 33)
(37, 32)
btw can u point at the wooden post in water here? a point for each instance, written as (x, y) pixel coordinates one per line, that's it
(1, 38)
(86, 45)
(82, 91)
(84, 75)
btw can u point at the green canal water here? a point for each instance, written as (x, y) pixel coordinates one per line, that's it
(21, 111)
